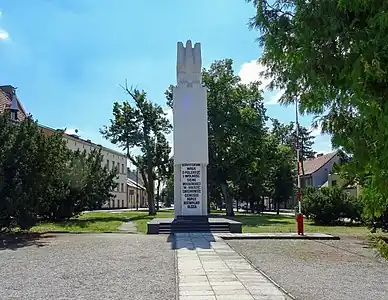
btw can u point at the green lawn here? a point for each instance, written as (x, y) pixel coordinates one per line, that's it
(109, 222)
(100, 222)
(90, 222)
(274, 223)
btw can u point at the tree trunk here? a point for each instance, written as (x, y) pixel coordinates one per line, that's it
(227, 198)
(158, 194)
(150, 190)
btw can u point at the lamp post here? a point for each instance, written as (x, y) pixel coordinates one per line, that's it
(137, 188)
(299, 216)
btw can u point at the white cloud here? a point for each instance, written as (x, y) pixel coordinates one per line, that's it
(275, 98)
(315, 131)
(3, 34)
(251, 71)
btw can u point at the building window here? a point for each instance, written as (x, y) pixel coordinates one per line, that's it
(118, 166)
(122, 169)
(122, 187)
(118, 203)
(113, 165)
(107, 163)
(122, 203)
(334, 183)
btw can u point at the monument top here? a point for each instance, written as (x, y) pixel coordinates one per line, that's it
(189, 63)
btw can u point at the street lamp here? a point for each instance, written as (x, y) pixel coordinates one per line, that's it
(299, 216)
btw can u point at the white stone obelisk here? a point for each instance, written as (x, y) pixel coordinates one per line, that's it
(190, 134)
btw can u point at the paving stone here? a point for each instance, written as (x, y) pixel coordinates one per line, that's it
(196, 293)
(238, 292)
(200, 283)
(200, 288)
(212, 270)
(259, 297)
(226, 283)
(233, 297)
(198, 298)
(193, 278)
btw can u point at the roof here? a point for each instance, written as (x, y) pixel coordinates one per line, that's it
(5, 101)
(48, 131)
(134, 184)
(312, 165)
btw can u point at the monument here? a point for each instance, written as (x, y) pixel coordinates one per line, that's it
(190, 134)
(191, 155)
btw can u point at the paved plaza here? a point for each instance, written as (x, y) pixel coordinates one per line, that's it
(208, 269)
(191, 266)
(88, 267)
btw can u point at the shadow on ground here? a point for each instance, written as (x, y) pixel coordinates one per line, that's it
(21, 240)
(191, 240)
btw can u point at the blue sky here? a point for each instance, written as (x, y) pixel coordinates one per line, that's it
(68, 57)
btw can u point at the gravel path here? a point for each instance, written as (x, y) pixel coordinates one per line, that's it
(89, 266)
(320, 270)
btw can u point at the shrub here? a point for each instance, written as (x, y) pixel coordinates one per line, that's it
(329, 205)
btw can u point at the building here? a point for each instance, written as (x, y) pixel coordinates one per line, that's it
(136, 188)
(111, 159)
(137, 194)
(9, 102)
(351, 189)
(317, 170)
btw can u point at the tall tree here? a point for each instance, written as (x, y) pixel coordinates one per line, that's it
(139, 123)
(283, 176)
(286, 135)
(331, 56)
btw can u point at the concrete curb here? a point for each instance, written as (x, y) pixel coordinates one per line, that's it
(267, 236)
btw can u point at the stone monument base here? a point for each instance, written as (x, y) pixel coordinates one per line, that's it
(193, 224)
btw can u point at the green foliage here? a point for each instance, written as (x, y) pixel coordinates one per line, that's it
(141, 124)
(381, 244)
(283, 175)
(41, 178)
(326, 206)
(331, 56)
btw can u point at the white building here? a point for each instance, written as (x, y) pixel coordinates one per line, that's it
(111, 158)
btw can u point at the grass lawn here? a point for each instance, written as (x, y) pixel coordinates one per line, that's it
(275, 223)
(100, 222)
(90, 222)
(109, 222)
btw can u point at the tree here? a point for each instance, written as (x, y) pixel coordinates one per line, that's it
(139, 124)
(41, 178)
(286, 135)
(162, 163)
(283, 176)
(330, 56)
